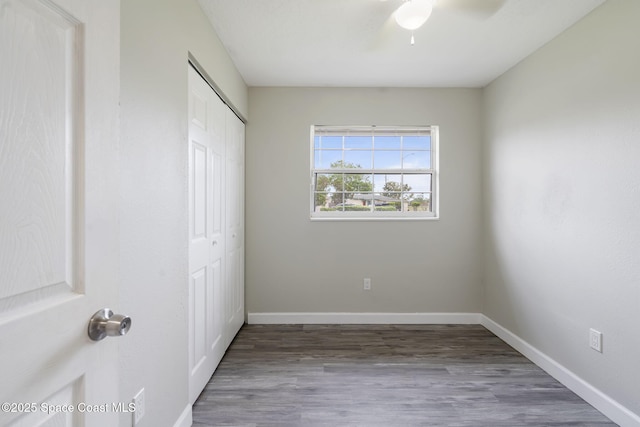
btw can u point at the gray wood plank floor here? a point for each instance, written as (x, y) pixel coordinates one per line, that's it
(383, 375)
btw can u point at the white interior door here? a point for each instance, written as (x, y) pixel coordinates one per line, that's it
(59, 85)
(234, 286)
(206, 231)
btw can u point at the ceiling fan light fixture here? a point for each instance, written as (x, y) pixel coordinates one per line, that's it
(413, 13)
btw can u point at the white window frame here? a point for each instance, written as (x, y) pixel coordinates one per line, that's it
(433, 171)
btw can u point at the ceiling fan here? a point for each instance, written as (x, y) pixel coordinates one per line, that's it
(412, 14)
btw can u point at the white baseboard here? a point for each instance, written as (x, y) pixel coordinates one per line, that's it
(603, 403)
(362, 318)
(185, 419)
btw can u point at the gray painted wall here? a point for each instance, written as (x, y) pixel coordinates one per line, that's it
(560, 183)
(296, 265)
(562, 199)
(155, 41)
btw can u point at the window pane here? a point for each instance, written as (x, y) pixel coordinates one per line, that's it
(358, 158)
(337, 200)
(418, 182)
(387, 159)
(350, 202)
(323, 159)
(358, 142)
(321, 200)
(416, 160)
(350, 183)
(387, 142)
(383, 182)
(383, 202)
(419, 202)
(417, 142)
(362, 199)
(357, 183)
(328, 142)
(322, 182)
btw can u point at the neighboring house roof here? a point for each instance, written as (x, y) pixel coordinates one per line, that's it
(376, 197)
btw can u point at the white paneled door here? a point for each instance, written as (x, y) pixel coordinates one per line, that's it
(234, 286)
(59, 71)
(206, 231)
(216, 230)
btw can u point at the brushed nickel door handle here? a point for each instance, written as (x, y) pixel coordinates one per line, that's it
(106, 324)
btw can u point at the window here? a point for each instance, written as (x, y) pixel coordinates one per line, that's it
(366, 172)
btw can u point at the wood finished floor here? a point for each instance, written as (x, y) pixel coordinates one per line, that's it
(383, 375)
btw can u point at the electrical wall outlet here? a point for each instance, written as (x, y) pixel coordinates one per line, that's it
(595, 340)
(366, 284)
(138, 401)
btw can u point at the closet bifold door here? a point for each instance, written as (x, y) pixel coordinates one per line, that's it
(234, 295)
(216, 230)
(207, 211)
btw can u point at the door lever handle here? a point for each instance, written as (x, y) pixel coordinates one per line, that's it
(106, 324)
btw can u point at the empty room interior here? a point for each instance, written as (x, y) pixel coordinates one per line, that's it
(522, 224)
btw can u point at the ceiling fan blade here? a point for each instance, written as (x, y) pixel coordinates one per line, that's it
(479, 8)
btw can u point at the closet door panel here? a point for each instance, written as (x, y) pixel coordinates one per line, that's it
(207, 210)
(234, 295)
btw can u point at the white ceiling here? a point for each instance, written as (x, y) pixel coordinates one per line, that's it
(355, 43)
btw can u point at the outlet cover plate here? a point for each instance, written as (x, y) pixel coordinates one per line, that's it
(138, 401)
(595, 340)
